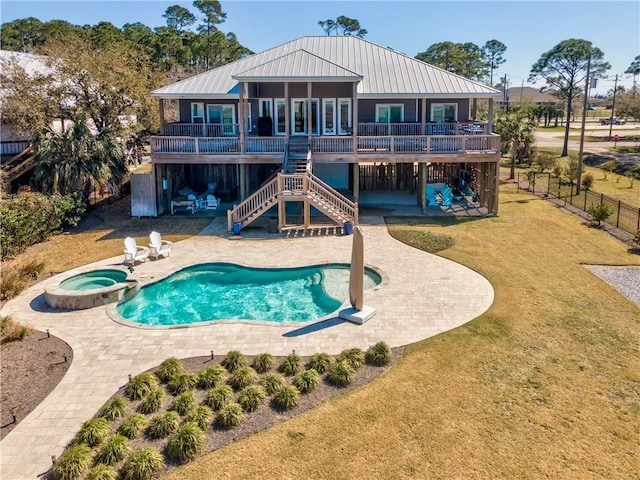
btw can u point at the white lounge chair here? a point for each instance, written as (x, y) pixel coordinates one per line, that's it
(134, 253)
(212, 203)
(157, 246)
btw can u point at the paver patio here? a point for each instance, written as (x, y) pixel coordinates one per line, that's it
(423, 295)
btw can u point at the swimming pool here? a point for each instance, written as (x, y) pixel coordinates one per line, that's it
(224, 291)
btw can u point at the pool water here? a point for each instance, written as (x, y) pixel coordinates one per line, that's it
(93, 280)
(222, 291)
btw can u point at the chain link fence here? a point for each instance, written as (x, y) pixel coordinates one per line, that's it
(625, 216)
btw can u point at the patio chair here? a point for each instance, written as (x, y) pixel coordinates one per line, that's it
(212, 203)
(134, 253)
(194, 203)
(431, 196)
(447, 197)
(157, 246)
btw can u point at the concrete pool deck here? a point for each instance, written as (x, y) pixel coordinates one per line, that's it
(424, 295)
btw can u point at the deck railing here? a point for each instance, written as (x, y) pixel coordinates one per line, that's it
(201, 129)
(398, 144)
(367, 129)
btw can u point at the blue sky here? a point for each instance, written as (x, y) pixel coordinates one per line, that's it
(528, 29)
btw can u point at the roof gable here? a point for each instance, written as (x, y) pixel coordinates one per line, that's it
(384, 72)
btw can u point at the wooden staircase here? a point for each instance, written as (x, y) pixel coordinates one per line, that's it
(298, 156)
(16, 166)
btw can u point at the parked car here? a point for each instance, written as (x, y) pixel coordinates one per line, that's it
(614, 120)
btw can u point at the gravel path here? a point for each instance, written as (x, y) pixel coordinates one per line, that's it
(624, 279)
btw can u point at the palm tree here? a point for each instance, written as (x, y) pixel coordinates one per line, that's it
(76, 161)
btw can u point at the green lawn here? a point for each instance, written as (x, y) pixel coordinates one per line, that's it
(545, 384)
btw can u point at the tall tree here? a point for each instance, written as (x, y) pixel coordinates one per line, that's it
(179, 18)
(212, 15)
(564, 68)
(22, 35)
(76, 161)
(464, 59)
(516, 135)
(492, 52)
(634, 69)
(343, 26)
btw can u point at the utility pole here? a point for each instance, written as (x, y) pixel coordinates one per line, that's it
(584, 120)
(613, 105)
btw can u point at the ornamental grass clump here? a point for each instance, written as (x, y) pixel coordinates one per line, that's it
(102, 472)
(93, 432)
(184, 403)
(218, 397)
(168, 369)
(291, 365)
(152, 402)
(378, 354)
(263, 363)
(230, 415)
(182, 382)
(73, 463)
(185, 442)
(320, 362)
(251, 397)
(271, 382)
(116, 408)
(209, 377)
(163, 425)
(286, 397)
(341, 374)
(133, 425)
(234, 360)
(353, 356)
(141, 464)
(243, 377)
(113, 450)
(141, 385)
(306, 381)
(201, 416)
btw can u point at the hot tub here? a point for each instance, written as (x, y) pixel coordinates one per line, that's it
(91, 289)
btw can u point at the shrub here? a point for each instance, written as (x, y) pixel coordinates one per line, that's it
(133, 425)
(141, 464)
(587, 181)
(353, 356)
(182, 382)
(30, 218)
(424, 240)
(168, 369)
(599, 212)
(31, 268)
(557, 170)
(152, 402)
(113, 450)
(286, 397)
(141, 385)
(211, 376)
(243, 377)
(630, 177)
(250, 398)
(12, 281)
(378, 354)
(163, 425)
(218, 397)
(11, 331)
(272, 382)
(306, 381)
(185, 442)
(263, 363)
(184, 403)
(202, 416)
(545, 161)
(72, 463)
(320, 362)
(341, 374)
(608, 167)
(234, 360)
(93, 432)
(116, 408)
(102, 472)
(291, 365)
(230, 415)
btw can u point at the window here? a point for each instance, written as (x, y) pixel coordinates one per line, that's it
(280, 116)
(197, 112)
(344, 116)
(329, 116)
(444, 112)
(223, 115)
(387, 113)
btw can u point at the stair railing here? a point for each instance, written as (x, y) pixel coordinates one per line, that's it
(254, 202)
(334, 198)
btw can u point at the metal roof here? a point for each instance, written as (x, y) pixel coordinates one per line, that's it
(385, 73)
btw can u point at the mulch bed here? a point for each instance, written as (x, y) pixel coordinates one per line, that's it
(30, 370)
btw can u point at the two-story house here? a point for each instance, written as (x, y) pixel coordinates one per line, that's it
(321, 120)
